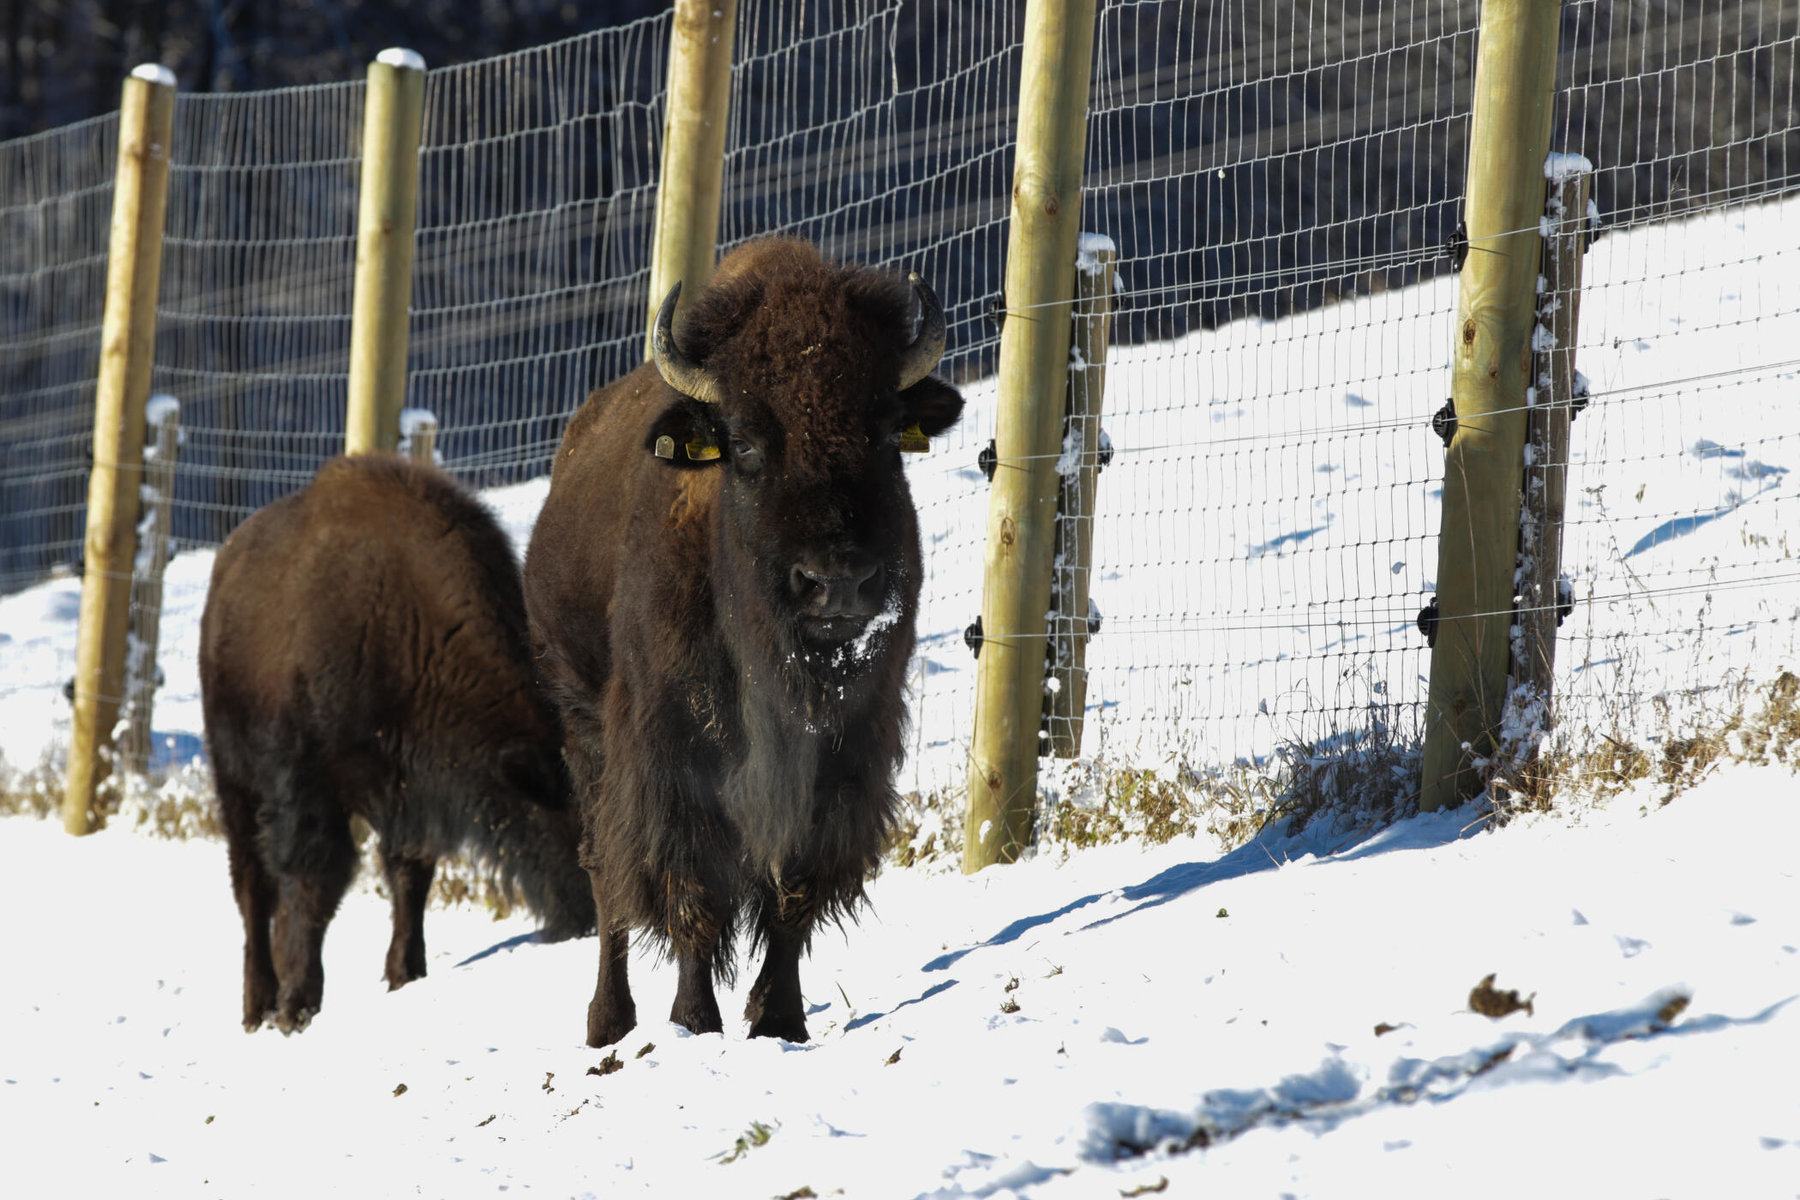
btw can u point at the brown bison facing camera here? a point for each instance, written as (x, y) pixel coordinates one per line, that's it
(722, 586)
(363, 651)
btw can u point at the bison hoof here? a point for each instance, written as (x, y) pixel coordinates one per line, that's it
(399, 979)
(606, 1028)
(297, 1023)
(788, 1029)
(260, 1021)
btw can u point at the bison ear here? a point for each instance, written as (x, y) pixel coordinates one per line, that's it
(535, 775)
(686, 434)
(932, 404)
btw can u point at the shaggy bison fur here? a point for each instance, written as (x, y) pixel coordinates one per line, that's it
(722, 586)
(363, 652)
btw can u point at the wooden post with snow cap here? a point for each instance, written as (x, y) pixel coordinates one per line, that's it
(1566, 228)
(418, 435)
(163, 415)
(127, 344)
(393, 115)
(684, 241)
(1478, 545)
(1055, 73)
(1083, 453)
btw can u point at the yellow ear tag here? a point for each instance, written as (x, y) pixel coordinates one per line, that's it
(914, 441)
(665, 446)
(700, 450)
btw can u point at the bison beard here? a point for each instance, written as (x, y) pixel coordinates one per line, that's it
(722, 587)
(363, 651)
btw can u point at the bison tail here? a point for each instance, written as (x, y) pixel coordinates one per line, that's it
(533, 851)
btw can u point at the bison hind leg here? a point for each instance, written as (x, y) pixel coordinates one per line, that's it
(307, 898)
(254, 889)
(409, 886)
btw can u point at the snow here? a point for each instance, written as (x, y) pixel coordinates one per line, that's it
(406, 60)
(1290, 1017)
(1046, 1029)
(154, 73)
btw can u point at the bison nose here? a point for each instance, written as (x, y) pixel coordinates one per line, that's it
(855, 591)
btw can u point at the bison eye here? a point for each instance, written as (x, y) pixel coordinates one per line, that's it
(747, 456)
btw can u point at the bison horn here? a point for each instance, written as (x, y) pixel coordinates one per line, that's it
(921, 358)
(678, 371)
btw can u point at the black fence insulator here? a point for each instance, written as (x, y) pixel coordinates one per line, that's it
(987, 459)
(1428, 623)
(1093, 621)
(1457, 247)
(1565, 600)
(972, 637)
(1578, 396)
(1104, 458)
(1443, 421)
(69, 691)
(996, 311)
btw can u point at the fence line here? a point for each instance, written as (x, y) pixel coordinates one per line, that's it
(1282, 184)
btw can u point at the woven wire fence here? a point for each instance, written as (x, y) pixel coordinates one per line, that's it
(1281, 183)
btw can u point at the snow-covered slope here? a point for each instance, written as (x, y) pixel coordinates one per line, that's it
(1290, 1019)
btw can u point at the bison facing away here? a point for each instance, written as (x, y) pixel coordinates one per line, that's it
(722, 587)
(363, 651)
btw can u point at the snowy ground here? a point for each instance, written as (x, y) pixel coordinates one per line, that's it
(1045, 1030)
(1290, 1018)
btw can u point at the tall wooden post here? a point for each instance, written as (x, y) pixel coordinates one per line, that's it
(1515, 77)
(685, 239)
(1034, 370)
(1547, 472)
(127, 341)
(393, 113)
(163, 414)
(1066, 704)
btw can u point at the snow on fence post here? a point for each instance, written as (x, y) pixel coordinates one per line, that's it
(1551, 409)
(418, 436)
(127, 344)
(697, 102)
(1084, 451)
(1055, 76)
(163, 414)
(393, 112)
(1478, 546)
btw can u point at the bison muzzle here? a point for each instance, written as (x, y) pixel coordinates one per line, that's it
(722, 587)
(364, 652)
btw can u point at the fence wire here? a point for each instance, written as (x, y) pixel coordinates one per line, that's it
(1282, 183)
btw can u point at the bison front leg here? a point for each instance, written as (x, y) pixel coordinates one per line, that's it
(611, 1013)
(776, 1008)
(696, 922)
(409, 886)
(784, 924)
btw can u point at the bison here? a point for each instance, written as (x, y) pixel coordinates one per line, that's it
(364, 652)
(722, 586)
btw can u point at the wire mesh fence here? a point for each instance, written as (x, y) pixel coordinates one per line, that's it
(1282, 183)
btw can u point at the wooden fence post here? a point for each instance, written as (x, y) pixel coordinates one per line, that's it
(127, 343)
(1478, 546)
(163, 413)
(1034, 370)
(393, 112)
(1065, 704)
(684, 241)
(1548, 421)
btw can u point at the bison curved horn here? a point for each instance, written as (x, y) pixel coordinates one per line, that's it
(921, 358)
(678, 371)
